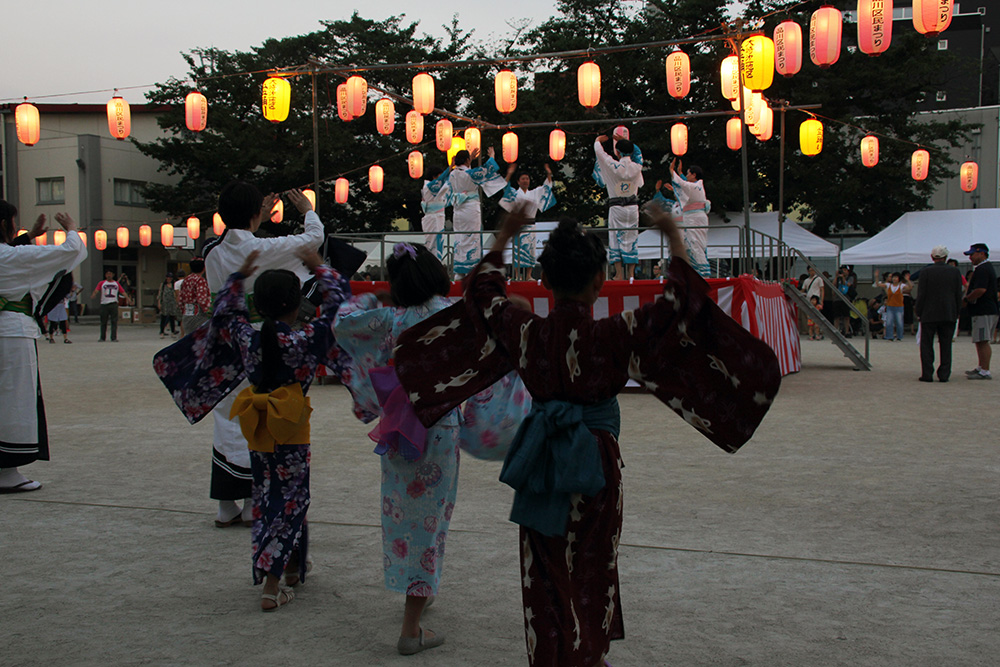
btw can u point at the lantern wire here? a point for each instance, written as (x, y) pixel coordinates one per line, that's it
(877, 134)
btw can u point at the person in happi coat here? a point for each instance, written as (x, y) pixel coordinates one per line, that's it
(466, 215)
(565, 462)
(689, 186)
(434, 198)
(532, 201)
(621, 175)
(27, 273)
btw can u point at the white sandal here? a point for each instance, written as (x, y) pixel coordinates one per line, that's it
(280, 599)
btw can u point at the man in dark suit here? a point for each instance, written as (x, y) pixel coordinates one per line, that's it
(939, 298)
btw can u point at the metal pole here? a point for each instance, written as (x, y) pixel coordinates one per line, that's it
(748, 248)
(315, 120)
(781, 198)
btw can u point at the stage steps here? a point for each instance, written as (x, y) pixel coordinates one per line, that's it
(861, 363)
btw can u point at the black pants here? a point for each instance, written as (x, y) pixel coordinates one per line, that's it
(944, 332)
(109, 311)
(163, 323)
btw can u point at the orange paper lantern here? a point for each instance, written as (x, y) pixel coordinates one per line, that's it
(874, 26)
(375, 177)
(100, 239)
(730, 71)
(166, 234)
(42, 239)
(385, 116)
(678, 139)
(340, 190)
(59, 236)
(414, 127)
(678, 74)
(787, 48)
(278, 212)
(588, 83)
(443, 135)
(505, 91)
(931, 17)
(28, 125)
(969, 174)
(83, 237)
(275, 98)
(757, 61)
(811, 137)
(311, 196)
(423, 93)
(824, 36)
(343, 110)
(121, 237)
(193, 227)
(509, 147)
(196, 111)
(869, 150)
(145, 235)
(357, 96)
(472, 139)
(218, 226)
(415, 163)
(557, 144)
(734, 134)
(764, 127)
(920, 164)
(119, 118)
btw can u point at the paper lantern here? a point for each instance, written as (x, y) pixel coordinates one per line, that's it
(919, 164)
(678, 139)
(730, 72)
(443, 135)
(278, 212)
(734, 134)
(620, 132)
(757, 62)
(457, 144)
(218, 226)
(764, 128)
(931, 17)
(385, 116)
(121, 237)
(375, 177)
(29, 128)
(824, 36)
(83, 237)
(505, 91)
(423, 93)
(343, 111)
(557, 145)
(811, 137)
(119, 118)
(874, 26)
(678, 74)
(166, 234)
(22, 232)
(754, 102)
(275, 98)
(193, 227)
(196, 111)
(311, 196)
(869, 150)
(145, 235)
(42, 239)
(969, 174)
(415, 163)
(100, 239)
(787, 48)
(472, 139)
(340, 190)
(509, 147)
(59, 236)
(357, 96)
(588, 83)
(414, 127)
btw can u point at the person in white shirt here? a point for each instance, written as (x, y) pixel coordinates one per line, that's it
(689, 187)
(109, 289)
(466, 212)
(530, 201)
(622, 177)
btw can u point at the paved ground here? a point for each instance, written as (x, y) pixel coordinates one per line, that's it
(859, 527)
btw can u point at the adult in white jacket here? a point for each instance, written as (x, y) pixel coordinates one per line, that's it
(622, 177)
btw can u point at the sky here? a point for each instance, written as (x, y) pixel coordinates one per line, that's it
(74, 46)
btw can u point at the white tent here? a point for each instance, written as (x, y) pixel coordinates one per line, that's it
(909, 240)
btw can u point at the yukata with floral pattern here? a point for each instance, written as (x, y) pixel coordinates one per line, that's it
(281, 479)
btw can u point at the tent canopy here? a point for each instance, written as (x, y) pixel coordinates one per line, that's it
(909, 240)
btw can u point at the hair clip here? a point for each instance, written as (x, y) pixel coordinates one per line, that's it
(401, 249)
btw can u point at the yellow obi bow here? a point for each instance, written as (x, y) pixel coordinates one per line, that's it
(278, 418)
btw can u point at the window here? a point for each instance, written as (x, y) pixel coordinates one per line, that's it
(51, 190)
(942, 45)
(941, 96)
(129, 193)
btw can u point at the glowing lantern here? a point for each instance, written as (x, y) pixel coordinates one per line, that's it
(196, 111)
(415, 162)
(59, 236)
(443, 135)
(588, 83)
(375, 177)
(218, 226)
(505, 91)
(969, 174)
(754, 102)
(874, 26)
(119, 118)
(423, 93)
(166, 234)
(472, 139)
(811, 137)
(100, 239)
(678, 74)
(341, 190)
(509, 147)
(22, 232)
(457, 144)
(121, 237)
(311, 196)
(557, 145)
(757, 61)
(414, 127)
(42, 239)
(83, 237)
(734, 134)
(931, 17)
(29, 127)
(145, 235)
(919, 164)
(275, 98)
(764, 128)
(869, 151)
(193, 227)
(343, 111)
(679, 139)
(824, 36)
(357, 96)
(730, 77)
(787, 48)
(385, 116)
(277, 212)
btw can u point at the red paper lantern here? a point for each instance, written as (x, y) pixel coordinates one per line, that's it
(920, 164)
(196, 111)
(119, 118)
(734, 134)
(340, 190)
(278, 212)
(414, 127)
(375, 177)
(385, 116)
(59, 236)
(29, 129)
(824, 36)
(343, 110)
(931, 17)
(757, 61)
(874, 26)
(218, 226)
(678, 67)
(166, 234)
(193, 227)
(811, 137)
(869, 151)
(415, 163)
(730, 71)
(100, 239)
(509, 147)
(557, 145)
(787, 48)
(357, 96)
(472, 140)
(443, 135)
(145, 235)
(423, 93)
(121, 237)
(678, 139)
(505, 91)
(588, 83)
(42, 239)
(275, 98)
(970, 176)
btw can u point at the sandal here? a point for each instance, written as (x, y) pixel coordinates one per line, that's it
(292, 578)
(283, 597)
(411, 645)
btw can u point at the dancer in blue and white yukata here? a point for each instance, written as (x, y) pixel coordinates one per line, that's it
(621, 174)
(689, 187)
(434, 198)
(531, 201)
(467, 217)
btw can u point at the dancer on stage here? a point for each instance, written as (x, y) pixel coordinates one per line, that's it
(466, 216)
(27, 275)
(273, 413)
(622, 176)
(434, 198)
(519, 194)
(689, 187)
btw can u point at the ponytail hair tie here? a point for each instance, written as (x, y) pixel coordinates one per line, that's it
(401, 249)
